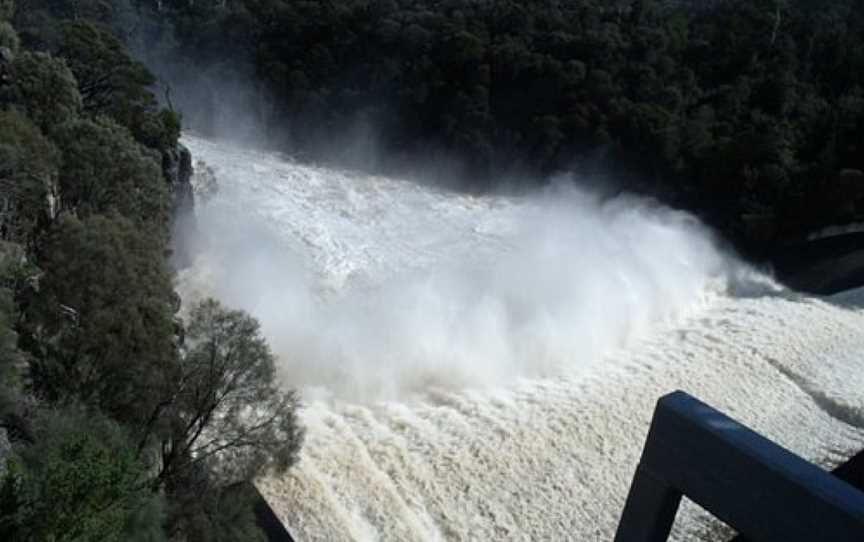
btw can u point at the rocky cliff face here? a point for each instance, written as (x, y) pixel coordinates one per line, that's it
(6, 58)
(177, 168)
(5, 448)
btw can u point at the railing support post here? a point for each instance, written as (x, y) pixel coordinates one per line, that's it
(765, 492)
(650, 509)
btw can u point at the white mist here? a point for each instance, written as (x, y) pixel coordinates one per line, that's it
(369, 288)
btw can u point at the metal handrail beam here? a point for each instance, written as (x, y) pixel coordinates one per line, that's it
(762, 490)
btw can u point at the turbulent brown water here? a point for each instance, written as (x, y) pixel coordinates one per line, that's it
(485, 367)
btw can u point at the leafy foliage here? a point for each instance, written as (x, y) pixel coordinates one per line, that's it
(113, 84)
(735, 108)
(109, 81)
(231, 413)
(87, 305)
(8, 37)
(79, 481)
(40, 22)
(10, 356)
(7, 9)
(45, 89)
(105, 170)
(206, 514)
(29, 164)
(102, 331)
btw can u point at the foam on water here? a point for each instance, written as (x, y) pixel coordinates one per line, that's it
(479, 368)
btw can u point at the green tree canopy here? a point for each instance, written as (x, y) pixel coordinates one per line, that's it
(729, 108)
(29, 164)
(7, 9)
(105, 170)
(10, 356)
(79, 481)
(45, 89)
(111, 83)
(89, 338)
(232, 414)
(8, 37)
(101, 329)
(40, 21)
(216, 515)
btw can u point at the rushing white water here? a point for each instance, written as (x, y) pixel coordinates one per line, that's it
(478, 368)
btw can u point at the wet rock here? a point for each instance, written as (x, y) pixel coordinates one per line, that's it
(177, 168)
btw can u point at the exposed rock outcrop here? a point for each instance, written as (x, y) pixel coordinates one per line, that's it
(6, 59)
(5, 448)
(177, 168)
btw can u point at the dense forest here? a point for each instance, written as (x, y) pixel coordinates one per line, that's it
(118, 419)
(750, 113)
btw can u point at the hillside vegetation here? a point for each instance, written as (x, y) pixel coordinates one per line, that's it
(751, 113)
(121, 421)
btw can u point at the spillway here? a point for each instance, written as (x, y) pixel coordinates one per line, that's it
(478, 368)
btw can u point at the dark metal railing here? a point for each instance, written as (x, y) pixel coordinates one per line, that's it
(760, 489)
